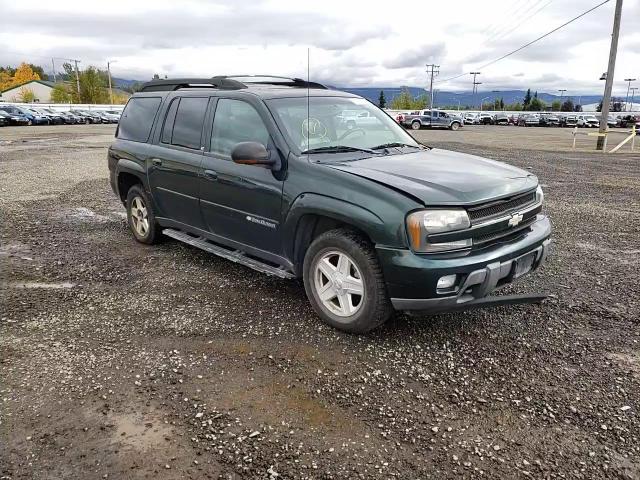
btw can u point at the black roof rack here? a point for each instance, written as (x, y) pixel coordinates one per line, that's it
(235, 82)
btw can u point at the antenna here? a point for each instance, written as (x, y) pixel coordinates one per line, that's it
(308, 113)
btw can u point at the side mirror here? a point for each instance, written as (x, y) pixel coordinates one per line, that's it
(251, 153)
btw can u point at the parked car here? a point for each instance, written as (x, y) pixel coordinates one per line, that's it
(432, 119)
(485, 119)
(470, 118)
(89, 117)
(31, 118)
(501, 119)
(53, 117)
(370, 219)
(5, 119)
(354, 118)
(529, 120)
(627, 121)
(113, 116)
(513, 119)
(612, 121)
(13, 118)
(549, 120)
(588, 121)
(60, 117)
(569, 120)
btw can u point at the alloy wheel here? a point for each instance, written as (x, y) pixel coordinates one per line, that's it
(139, 217)
(339, 283)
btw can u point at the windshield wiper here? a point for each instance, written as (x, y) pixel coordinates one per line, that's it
(394, 144)
(339, 149)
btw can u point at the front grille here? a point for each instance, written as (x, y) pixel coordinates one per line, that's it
(499, 208)
(504, 235)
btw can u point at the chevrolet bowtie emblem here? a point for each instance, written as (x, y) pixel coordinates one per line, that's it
(515, 219)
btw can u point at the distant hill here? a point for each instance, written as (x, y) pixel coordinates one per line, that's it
(465, 98)
(441, 98)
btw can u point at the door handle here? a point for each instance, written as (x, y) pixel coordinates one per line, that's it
(211, 174)
(156, 161)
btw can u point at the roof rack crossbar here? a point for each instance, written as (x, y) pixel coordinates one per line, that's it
(235, 82)
(222, 83)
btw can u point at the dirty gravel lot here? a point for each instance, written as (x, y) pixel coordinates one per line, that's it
(119, 360)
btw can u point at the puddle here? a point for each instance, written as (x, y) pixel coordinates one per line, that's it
(140, 432)
(53, 286)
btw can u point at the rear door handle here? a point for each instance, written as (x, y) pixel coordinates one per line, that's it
(156, 161)
(211, 174)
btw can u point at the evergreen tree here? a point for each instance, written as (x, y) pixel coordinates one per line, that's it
(382, 102)
(527, 99)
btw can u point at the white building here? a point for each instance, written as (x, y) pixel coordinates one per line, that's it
(40, 88)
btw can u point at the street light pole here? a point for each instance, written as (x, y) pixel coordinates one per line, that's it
(629, 80)
(109, 75)
(482, 101)
(604, 114)
(633, 94)
(561, 90)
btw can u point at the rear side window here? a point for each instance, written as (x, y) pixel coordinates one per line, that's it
(137, 118)
(187, 128)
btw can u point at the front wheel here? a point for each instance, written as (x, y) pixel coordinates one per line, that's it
(455, 126)
(344, 282)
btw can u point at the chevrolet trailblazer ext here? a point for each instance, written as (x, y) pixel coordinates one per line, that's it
(261, 171)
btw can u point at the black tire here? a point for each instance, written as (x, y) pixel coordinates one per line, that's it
(376, 307)
(416, 125)
(455, 126)
(152, 233)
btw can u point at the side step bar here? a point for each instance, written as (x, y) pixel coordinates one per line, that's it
(233, 255)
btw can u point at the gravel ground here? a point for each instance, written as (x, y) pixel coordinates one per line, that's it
(125, 361)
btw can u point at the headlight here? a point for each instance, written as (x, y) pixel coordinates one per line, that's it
(422, 223)
(539, 195)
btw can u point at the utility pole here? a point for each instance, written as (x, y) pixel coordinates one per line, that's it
(475, 84)
(629, 80)
(604, 114)
(77, 79)
(435, 70)
(53, 66)
(633, 94)
(109, 75)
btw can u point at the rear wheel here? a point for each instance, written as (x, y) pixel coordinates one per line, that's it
(416, 125)
(140, 216)
(344, 282)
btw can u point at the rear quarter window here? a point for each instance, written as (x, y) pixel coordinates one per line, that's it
(137, 118)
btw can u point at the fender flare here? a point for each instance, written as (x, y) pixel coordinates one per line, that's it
(125, 165)
(330, 207)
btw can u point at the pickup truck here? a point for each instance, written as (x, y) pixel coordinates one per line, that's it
(432, 119)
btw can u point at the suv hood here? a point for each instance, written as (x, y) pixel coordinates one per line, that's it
(443, 177)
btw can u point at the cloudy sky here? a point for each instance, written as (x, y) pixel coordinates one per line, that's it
(352, 42)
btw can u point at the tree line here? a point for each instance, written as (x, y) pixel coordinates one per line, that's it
(530, 102)
(93, 84)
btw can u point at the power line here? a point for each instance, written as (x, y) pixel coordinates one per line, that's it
(544, 36)
(524, 20)
(530, 43)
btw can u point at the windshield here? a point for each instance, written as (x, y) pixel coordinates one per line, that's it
(337, 122)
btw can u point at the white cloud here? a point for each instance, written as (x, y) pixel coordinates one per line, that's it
(353, 43)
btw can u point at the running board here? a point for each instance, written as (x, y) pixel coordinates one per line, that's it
(233, 255)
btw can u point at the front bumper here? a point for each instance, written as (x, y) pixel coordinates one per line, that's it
(412, 279)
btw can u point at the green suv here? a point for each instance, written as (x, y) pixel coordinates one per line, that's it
(269, 172)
